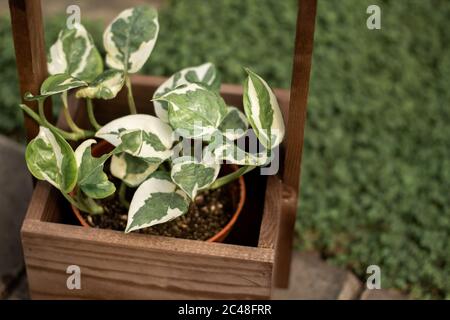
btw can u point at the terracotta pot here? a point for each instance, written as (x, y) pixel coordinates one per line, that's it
(238, 198)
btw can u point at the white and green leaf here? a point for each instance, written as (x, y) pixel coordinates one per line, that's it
(229, 152)
(49, 157)
(55, 84)
(144, 145)
(234, 125)
(192, 176)
(194, 110)
(206, 74)
(140, 135)
(131, 170)
(75, 54)
(262, 110)
(156, 201)
(129, 39)
(106, 86)
(91, 178)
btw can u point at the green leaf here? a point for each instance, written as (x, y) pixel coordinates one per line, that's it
(140, 135)
(192, 176)
(131, 170)
(220, 150)
(130, 38)
(54, 84)
(49, 157)
(74, 53)
(156, 201)
(106, 86)
(144, 145)
(194, 111)
(229, 152)
(91, 178)
(262, 110)
(234, 125)
(205, 74)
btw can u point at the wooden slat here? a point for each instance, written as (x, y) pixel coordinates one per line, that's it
(295, 132)
(28, 35)
(41, 208)
(38, 201)
(299, 91)
(283, 249)
(271, 216)
(135, 266)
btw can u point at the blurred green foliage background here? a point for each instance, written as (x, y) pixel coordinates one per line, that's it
(376, 166)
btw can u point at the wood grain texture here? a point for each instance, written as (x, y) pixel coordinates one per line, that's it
(28, 36)
(272, 210)
(38, 202)
(299, 91)
(283, 249)
(304, 41)
(135, 266)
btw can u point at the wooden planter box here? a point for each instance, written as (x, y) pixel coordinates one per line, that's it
(115, 265)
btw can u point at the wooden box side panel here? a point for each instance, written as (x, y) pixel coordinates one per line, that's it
(118, 266)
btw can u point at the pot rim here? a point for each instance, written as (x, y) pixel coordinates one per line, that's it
(218, 237)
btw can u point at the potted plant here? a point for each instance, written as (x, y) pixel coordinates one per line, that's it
(160, 174)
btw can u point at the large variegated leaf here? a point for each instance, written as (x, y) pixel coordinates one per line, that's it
(206, 74)
(130, 38)
(57, 83)
(262, 110)
(156, 201)
(234, 125)
(106, 86)
(131, 170)
(140, 135)
(91, 178)
(75, 54)
(192, 176)
(194, 111)
(49, 157)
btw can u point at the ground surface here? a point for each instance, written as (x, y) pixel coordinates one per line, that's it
(15, 192)
(311, 277)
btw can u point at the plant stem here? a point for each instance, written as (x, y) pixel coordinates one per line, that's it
(231, 177)
(33, 115)
(44, 122)
(42, 114)
(88, 206)
(92, 206)
(131, 103)
(122, 195)
(72, 125)
(91, 115)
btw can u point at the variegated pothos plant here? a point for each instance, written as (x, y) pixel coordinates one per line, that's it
(149, 154)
